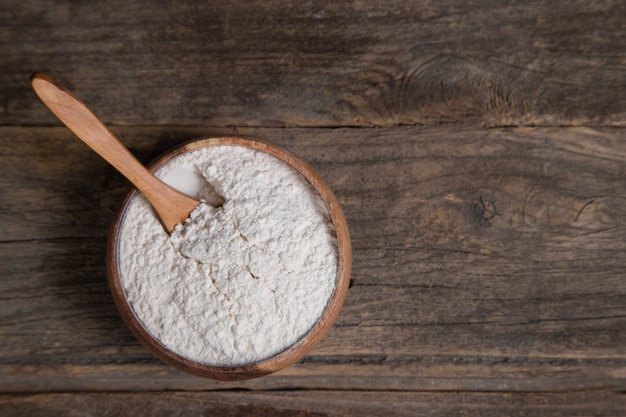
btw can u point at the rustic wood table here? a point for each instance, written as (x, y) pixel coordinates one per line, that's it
(478, 149)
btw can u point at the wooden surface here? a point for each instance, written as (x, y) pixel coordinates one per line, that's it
(479, 152)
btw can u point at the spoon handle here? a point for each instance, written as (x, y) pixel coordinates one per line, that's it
(171, 205)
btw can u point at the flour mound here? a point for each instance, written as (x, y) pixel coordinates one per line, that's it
(237, 283)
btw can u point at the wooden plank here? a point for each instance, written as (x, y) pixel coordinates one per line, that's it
(483, 260)
(263, 63)
(315, 404)
(436, 373)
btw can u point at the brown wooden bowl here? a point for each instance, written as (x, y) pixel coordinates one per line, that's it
(291, 354)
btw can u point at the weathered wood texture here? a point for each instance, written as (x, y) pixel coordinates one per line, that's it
(315, 404)
(295, 63)
(484, 260)
(488, 260)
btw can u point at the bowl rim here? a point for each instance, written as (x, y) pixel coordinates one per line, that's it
(305, 343)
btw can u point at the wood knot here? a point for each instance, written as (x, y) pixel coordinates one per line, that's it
(451, 87)
(486, 210)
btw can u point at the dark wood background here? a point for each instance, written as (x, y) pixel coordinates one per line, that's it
(478, 149)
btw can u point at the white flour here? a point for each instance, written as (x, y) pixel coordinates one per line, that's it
(235, 284)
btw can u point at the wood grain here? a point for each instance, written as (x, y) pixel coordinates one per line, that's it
(483, 260)
(316, 404)
(357, 63)
(489, 260)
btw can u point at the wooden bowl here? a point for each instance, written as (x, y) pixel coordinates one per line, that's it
(284, 358)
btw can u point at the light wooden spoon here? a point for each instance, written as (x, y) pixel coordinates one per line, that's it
(172, 206)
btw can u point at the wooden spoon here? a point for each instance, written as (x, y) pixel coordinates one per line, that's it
(172, 206)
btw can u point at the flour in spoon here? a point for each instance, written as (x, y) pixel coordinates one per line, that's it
(238, 283)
